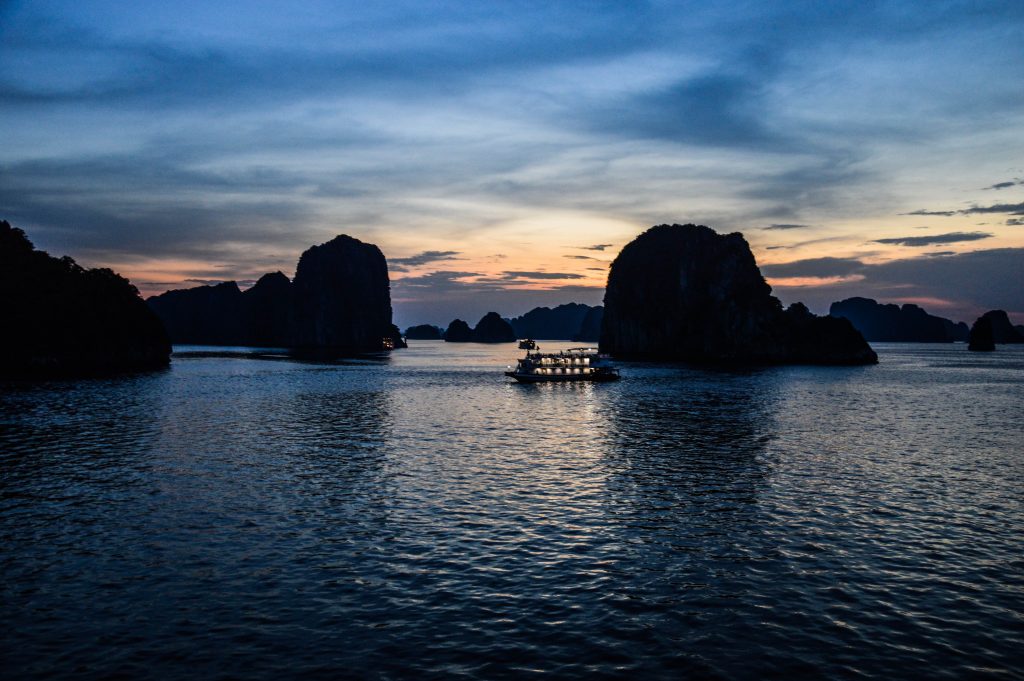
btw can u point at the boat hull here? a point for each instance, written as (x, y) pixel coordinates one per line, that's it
(562, 378)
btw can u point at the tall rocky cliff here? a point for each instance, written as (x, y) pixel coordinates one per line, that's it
(340, 301)
(62, 319)
(341, 298)
(982, 339)
(266, 311)
(685, 292)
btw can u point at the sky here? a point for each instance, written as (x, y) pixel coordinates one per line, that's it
(501, 153)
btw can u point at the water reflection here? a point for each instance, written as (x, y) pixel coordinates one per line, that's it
(689, 438)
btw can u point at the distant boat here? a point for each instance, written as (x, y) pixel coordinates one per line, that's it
(527, 344)
(574, 364)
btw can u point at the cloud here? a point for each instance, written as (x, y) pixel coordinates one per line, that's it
(782, 226)
(942, 213)
(918, 241)
(541, 275)
(718, 108)
(424, 258)
(1005, 185)
(1009, 208)
(580, 257)
(814, 267)
(435, 280)
(597, 247)
(1013, 222)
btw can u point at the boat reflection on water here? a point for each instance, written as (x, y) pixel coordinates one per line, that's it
(574, 364)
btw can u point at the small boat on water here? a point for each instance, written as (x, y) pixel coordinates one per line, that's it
(527, 344)
(574, 364)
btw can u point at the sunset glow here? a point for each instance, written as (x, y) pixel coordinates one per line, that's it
(185, 146)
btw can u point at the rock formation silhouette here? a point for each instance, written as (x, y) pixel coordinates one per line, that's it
(424, 332)
(266, 310)
(561, 322)
(957, 331)
(458, 332)
(982, 338)
(205, 315)
(493, 329)
(60, 319)
(340, 302)
(590, 327)
(685, 292)
(892, 323)
(994, 324)
(341, 298)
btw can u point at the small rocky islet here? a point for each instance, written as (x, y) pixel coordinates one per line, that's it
(687, 293)
(490, 329)
(991, 328)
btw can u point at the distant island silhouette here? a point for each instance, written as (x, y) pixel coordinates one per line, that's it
(893, 323)
(562, 322)
(424, 332)
(590, 327)
(61, 319)
(339, 302)
(991, 328)
(685, 292)
(490, 329)
(569, 321)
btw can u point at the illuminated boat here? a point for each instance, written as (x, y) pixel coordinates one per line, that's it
(575, 364)
(527, 344)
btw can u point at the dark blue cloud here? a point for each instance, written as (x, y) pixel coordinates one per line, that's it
(715, 109)
(1007, 208)
(814, 267)
(950, 238)
(1010, 208)
(423, 258)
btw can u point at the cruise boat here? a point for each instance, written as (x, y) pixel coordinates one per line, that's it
(527, 344)
(574, 364)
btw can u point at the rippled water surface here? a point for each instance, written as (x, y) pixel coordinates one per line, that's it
(421, 517)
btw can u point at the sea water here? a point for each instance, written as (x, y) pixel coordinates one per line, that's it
(418, 515)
